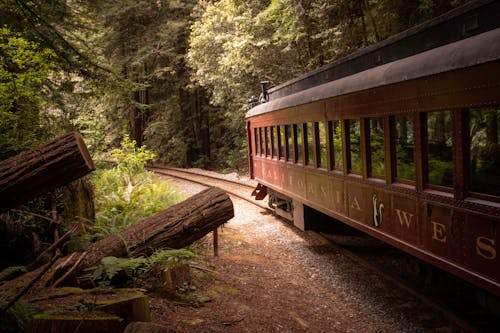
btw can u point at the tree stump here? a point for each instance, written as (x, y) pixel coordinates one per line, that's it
(140, 327)
(95, 310)
(176, 276)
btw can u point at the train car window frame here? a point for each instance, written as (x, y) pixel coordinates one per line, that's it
(290, 155)
(370, 148)
(480, 144)
(281, 143)
(255, 141)
(267, 139)
(399, 144)
(337, 149)
(349, 144)
(322, 145)
(309, 146)
(261, 142)
(299, 144)
(431, 173)
(274, 142)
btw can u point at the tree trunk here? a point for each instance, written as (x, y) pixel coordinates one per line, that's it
(175, 227)
(43, 169)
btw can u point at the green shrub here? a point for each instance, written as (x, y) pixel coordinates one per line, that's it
(127, 193)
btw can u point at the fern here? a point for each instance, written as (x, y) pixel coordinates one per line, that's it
(111, 267)
(18, 317)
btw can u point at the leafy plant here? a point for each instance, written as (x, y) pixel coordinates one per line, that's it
(128, 193)
(111, 267)
(18, 317)
(24, 66)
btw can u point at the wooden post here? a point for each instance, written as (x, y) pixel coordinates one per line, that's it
(216, 242)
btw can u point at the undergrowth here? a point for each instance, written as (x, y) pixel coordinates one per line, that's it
(112, 269)
(127, 193)
(18, 317)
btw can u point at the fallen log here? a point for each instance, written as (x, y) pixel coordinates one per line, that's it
(43, 169)
(175, 227)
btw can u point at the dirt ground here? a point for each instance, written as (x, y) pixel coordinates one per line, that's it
(270, 277)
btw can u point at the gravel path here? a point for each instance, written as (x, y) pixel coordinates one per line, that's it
(270, 277)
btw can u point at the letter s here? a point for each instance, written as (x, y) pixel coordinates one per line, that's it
(485, 248)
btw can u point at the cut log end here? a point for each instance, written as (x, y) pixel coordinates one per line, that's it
(84, 151)
(42, 169)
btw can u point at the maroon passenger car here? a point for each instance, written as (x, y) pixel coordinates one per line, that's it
(400, 140)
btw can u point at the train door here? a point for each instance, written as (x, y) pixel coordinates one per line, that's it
(250, 150)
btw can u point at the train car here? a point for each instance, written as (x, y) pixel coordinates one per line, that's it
(400, 140)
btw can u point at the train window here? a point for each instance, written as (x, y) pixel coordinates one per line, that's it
(261, 141)
(484, 129)
(256, 140)
(267, 131)
(300, 148)
(281, 141)
(274, 141)
(337, 144)
(289, 140)
(403, 136)
(439, 149)
(354, 148)
(323, 145)
(376, 143)
(309, 138)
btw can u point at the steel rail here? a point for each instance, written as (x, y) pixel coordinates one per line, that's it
(174, 172)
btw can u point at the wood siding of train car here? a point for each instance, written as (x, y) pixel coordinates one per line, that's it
(447, 226)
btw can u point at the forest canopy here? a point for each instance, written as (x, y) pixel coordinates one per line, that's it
(174, 75)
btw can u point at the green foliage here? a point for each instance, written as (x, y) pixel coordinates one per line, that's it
(111, 267)
(127, 193)
(18, 317)
(131, 159)
(24, 66)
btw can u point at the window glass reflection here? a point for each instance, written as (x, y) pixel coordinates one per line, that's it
(439, 153)
(337, 144)
(289, 140)
(300, 142)
(310, 144)
(268, 140)
(404, 140)
(484, 129)
(274, 141)
(323, 145)
(376, 144)
(281, 130)
(354, 146)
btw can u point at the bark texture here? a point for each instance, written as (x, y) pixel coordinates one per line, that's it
(43, 169)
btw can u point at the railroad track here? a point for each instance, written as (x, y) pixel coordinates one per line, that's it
(342, 242)
(240, 189)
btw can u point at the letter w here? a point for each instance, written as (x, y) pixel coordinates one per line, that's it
(404, 217)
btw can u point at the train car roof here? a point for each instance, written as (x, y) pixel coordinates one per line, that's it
(375, 66)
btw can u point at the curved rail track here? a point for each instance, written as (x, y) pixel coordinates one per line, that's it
(373, 255)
